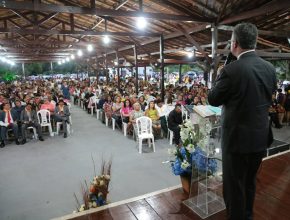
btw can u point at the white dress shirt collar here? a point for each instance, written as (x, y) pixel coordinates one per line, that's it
(244, 53)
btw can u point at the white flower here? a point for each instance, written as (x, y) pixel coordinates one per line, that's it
(172, 151)
(75, 211)
(189, 147)
(185, 165)
(107, 177)
(100, 194)
(102, 182)
(94, 204)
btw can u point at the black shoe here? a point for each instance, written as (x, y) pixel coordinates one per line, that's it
(65, 135)
(41, 138)
(17, 142)
(2, 144)
(23, 141)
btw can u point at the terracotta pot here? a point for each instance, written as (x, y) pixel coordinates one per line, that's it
(185, 182)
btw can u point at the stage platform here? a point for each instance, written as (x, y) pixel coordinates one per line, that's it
(272, 199)
(277, 147)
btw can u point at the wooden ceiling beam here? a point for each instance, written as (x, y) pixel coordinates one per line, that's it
(178, 8)
(46, 18)
(262, 53)
(273, 6)
(275, 33)
(19, 14)
(69, 32)
(196, 44)
(15, 5)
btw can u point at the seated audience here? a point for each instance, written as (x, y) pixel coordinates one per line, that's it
(8, 120)
(153, 114)
(29, 119)
(136, 113)
(61, 114)
(163, 111)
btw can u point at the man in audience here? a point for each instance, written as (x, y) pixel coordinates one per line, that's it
(8, 120)
(61, 114)
(29, 119)
(174, 120)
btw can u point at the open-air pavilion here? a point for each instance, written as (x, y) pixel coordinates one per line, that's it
(175, 33)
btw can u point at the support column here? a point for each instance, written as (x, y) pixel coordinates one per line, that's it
(136, 69)
(162, 66)
(145, 74)
(106, 70)
(179, 74)
(23, 70)
(213, 51)
(51, 68)
(118, 69)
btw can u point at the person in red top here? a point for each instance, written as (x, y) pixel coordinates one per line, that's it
(8, 120)
(48, 105)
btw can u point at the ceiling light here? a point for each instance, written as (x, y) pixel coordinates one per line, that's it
(115, 62)
(59, 62)
(190, 55)
(12, 63)
(90, 48)
(80, 53)
(141, 23)
(63, 61)
(106, 39)
(67, 59)
(72, 57)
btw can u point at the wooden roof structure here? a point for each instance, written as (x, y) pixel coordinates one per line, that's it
(51, 30)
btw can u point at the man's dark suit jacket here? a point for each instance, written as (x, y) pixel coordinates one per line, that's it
(244, 88)
(24, 117)
(12, 113)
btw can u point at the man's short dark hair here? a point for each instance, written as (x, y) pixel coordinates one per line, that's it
(245, 34)
(178, 105)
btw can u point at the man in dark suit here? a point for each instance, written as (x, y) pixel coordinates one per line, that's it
(244, 88)
(28, 118)
(8, 120)
(61, 114)
(174, 120)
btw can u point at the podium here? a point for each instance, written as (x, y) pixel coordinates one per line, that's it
(207, 199)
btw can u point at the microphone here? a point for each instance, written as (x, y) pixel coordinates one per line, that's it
(230, 58)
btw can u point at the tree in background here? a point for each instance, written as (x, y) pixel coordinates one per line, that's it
(7, 74)
(282, 69)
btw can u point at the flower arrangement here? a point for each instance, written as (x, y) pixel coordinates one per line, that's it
(96, 194)
(192, 153)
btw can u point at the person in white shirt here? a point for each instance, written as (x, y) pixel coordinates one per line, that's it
(163, 111)
(8, 120)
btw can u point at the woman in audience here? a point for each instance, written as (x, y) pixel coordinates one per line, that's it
(153, 114)
(125, 113)
(180, 100)
(47, 105)
(136, 113)
(142, 103)
(117, 106)
(108, 108)
(203, 101)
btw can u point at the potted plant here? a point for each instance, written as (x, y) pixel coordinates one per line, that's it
(190, 159)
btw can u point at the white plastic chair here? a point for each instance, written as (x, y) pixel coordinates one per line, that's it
(44, 120)
(34, 132)
(91, 102)
(144, 131)
(170, 136)
(58, 124)
(124, 124)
